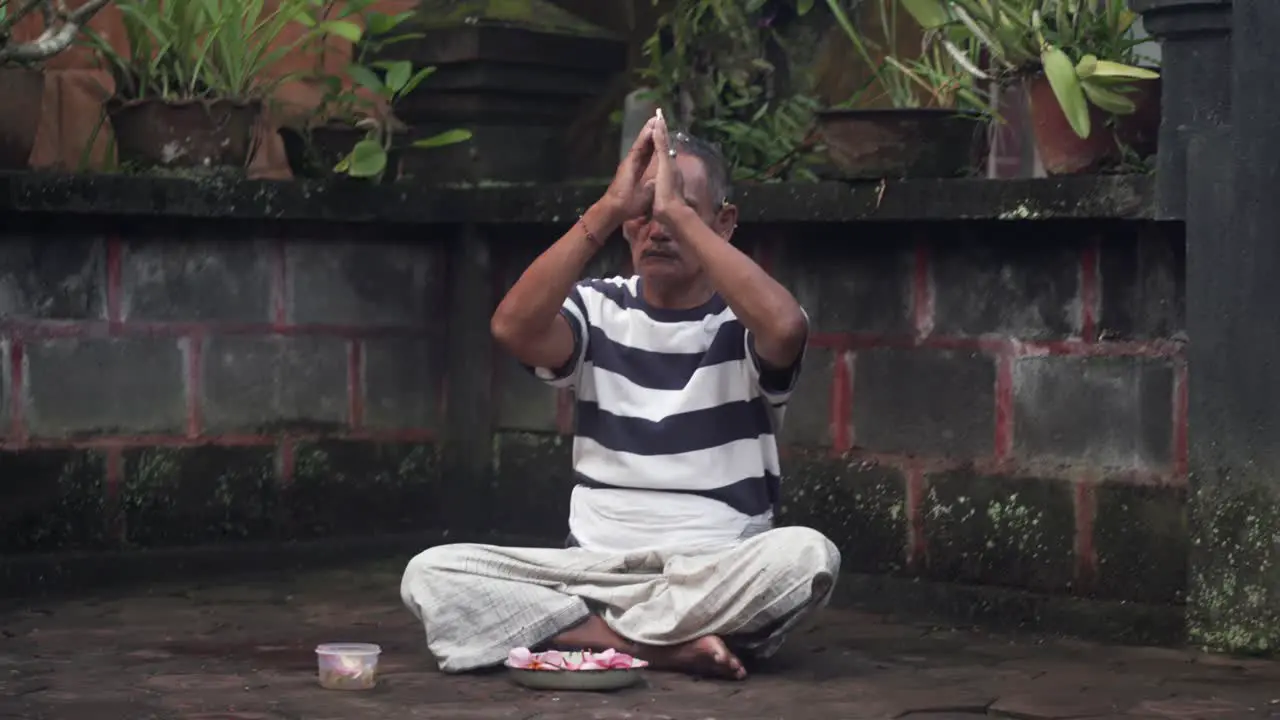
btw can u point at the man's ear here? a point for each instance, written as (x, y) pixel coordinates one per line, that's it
(727, 221)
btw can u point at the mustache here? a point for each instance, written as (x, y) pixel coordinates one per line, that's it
(659, 252)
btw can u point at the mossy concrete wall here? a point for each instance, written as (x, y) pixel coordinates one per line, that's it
(998, 403)
(990, 401)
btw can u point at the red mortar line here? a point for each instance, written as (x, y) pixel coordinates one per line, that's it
(107, 442)
(1086, 557)
(18, 395)
(922, 293)
(1000, 345)
(195, 372)
(279, 285)
(115, 281)
(1089, 297)
(1004, 395)
(355, 383)
(841, 405)
(1181, 408)
(1014, 468)
(286, 457)
(917, 542)
(96, 329)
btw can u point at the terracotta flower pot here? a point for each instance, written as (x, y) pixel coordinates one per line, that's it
(898, 143)
(1062, 152)
(23, 93)
(183, 135)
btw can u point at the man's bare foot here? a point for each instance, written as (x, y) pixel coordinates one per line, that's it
(708, 655)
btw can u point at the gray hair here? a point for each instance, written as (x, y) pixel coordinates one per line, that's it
(719, 184)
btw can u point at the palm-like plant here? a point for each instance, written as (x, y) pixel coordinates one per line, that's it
(1083, 47)
(199, 49)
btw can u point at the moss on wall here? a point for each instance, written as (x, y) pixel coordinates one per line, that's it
(1234, 595)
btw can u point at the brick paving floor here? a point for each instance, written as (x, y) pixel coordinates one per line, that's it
(243, 651)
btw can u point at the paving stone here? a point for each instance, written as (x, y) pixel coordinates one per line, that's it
(967, 698)
(1194, 708)
(195, 682)
(232, 715)
(242, 650)
(1059, 706)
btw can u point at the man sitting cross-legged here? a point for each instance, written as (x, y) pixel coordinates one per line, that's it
(681, 375)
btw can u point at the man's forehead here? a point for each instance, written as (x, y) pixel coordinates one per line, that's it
(691, 173)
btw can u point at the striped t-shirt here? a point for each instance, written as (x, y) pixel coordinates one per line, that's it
(676, 424)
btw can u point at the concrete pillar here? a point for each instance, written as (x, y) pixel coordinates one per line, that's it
(1233, 252)
(1195, 38)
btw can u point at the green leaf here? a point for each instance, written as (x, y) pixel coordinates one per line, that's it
(352, 7)
(381, 23)
(803, 7)
(366, 77)
(754, 5)
(1107, 68)
(377, 23)
(343, 29)
(383, 42)
(367, 159)
(1061, 74)
(1087, 66)
(398, 74)
(416, 80)
(929, 13)
(1109, 100)
(448, 137)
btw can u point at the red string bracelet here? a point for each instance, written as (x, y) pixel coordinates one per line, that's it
(582, 222)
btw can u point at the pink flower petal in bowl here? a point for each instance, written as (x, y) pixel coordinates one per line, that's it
(520, 658)
(621, 660)
(554, 659)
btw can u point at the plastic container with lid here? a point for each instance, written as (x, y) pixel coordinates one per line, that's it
(348, 666)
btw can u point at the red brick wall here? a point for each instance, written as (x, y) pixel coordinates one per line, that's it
(996, 403)
(1017, 391)
(184, 385)
(999, 403)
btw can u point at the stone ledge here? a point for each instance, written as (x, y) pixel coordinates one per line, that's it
(902, 597)
(1014, 611)
(1123, 197)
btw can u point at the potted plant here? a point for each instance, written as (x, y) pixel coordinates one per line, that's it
(356, 132)
(192, 80)
(21, 80)
(1089, 100)
(714, 67)
(934, 124)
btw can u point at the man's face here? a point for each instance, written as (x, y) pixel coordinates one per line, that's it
(655, 256)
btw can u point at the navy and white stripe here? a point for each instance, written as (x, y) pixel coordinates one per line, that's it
(671, 404)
